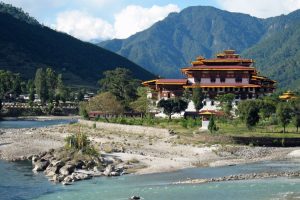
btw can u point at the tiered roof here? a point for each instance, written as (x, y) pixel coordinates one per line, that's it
(225, 61)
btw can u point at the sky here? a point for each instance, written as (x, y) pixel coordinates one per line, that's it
(97, 20)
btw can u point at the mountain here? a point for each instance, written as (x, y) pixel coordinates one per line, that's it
(172, 43)
(175, 41)
(26, 45)
(277, 54)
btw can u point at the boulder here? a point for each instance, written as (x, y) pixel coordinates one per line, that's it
(81, 176)
(34, 159)
(114, 174)
(40, 165)
(67, 169)
(108, 170)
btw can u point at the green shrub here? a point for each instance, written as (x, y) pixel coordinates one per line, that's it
(80, 142)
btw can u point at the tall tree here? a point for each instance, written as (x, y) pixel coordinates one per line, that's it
(41, 85)
(284, 114)
(51, 79)
(61, 91)
(120, 83)
(172, 106)
(248, 112)
(31, 90)
(197, 98)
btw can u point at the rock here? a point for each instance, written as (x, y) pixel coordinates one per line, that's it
(57, 163)
(34, 159)
(67, 169)
(68, 179)
(79, 164)
(82, 176)
(108, 170)
(40, 165)
(134, 198)
(114, 174)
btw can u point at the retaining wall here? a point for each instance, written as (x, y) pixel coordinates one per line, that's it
(133, 129)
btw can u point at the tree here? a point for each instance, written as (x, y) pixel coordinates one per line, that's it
(197, 98)
(284, 114)
(296, 121)
(248, 112)
(226, 102)
(120, 83)
(41, 85)
(267, 108)
(142, 103)
(80, 95)
(51, 79)
(31, 90)
(212, 127)
(295, 103)
(172, 106)
(106, 103)
(61, 91)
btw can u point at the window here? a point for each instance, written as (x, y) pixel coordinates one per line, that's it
(238, 80)
(222, 79)
(236, 89)
(197, 80)
(213, 79)
(212, 103)
(204, 103)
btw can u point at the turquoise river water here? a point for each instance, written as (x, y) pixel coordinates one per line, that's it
(18, 182)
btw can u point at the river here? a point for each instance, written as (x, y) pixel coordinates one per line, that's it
(18, 182)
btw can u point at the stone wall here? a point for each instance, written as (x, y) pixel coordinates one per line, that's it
(133, 129)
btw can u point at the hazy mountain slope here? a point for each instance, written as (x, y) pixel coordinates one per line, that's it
(24, 47)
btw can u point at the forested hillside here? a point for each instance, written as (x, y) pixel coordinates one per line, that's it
(25, 45)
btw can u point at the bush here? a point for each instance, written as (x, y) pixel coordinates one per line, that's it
(80, 142)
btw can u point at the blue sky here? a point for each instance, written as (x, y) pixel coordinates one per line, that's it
(107, 19)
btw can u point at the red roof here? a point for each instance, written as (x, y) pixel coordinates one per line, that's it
(171, 81)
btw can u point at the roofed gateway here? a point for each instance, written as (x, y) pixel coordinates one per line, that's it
(227, 73)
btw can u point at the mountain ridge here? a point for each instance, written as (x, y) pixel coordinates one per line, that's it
(174, 42)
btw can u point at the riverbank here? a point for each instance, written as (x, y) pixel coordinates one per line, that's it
(156, 153)
(41, 118)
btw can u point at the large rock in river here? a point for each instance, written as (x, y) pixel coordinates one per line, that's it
(67, 169)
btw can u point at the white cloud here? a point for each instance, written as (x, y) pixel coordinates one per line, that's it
(83, 26)
(260, 8)
(134, 18)
(130, 20)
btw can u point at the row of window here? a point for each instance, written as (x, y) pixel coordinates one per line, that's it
(231, 89)
(222, 80)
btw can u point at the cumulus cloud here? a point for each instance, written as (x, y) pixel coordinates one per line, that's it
(134, 18)
(128, 21)
(83, 26)
(260, 8)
